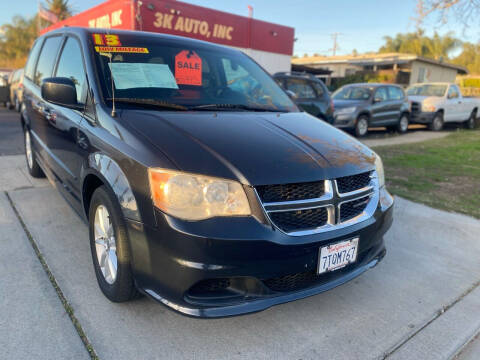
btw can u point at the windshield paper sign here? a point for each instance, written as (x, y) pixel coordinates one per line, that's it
(188, 68)
(142, 75)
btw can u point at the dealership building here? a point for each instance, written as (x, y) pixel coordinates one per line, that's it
(271, 45)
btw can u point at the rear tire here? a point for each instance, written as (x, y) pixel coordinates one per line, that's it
(110, 247)
(471, 123)
(361, 126)
(32, 165)
(402, 126)
(437, 122)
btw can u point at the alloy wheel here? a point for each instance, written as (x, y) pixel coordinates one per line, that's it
(437, 123)
(362, 126)
(403, 124)
(105, 244)
(28, 149)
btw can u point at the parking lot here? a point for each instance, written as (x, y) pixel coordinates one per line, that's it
(421, 302)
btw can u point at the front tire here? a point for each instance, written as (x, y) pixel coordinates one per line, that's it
(437, 122)
(471, 122)
(32, 165)
(110, 247)
(402, 126)
(361, 126)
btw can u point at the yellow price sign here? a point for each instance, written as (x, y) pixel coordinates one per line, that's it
(106, 39)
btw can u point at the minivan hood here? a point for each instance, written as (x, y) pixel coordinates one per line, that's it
(253, 147)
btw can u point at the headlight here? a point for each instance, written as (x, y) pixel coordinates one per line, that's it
(380, 171)
(428, 108)
(347, 110)
(196, 197)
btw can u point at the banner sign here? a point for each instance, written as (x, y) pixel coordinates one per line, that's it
(183, 19)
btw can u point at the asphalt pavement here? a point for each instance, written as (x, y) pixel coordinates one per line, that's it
(421, 302)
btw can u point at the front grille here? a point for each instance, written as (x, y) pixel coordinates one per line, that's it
(355, 182)
(351, 209)
(291, 192)
(304, 208)
(292, 282)
(416, 107)
(300, 219)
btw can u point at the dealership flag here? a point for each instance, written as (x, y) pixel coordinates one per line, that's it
(47, 14)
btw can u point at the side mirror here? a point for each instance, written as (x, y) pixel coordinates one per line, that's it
(60, 91)
(291, 94)
(377, 100)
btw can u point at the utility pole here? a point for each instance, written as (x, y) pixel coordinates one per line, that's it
(335, 43)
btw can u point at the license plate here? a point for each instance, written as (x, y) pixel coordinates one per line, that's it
(337, 256)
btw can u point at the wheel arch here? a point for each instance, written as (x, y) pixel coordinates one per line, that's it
(103, 170)
(364, 113)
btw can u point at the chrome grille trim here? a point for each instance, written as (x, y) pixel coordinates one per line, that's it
(332, 200)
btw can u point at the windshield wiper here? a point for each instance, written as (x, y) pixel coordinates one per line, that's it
(231, 107)
(150, 102)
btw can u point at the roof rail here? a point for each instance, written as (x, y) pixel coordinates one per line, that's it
(296, 73)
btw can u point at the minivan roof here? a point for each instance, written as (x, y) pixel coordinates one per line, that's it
(372, 85)
(82, 31)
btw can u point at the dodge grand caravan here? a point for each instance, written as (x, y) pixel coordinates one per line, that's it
(203, 185)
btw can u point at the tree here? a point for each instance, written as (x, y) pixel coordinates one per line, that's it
(418, 43)
(464, 10)
(16, 40)
(469, 58)
(61, 8)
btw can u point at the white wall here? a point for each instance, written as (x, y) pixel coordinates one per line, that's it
(432, 73)
(271, 62)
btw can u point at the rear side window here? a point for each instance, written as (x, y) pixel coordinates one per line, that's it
(71, 66)
(32, 59)
(395, 93)
(46, 61)
(301, 88)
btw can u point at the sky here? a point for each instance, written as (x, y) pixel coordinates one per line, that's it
(361, 24)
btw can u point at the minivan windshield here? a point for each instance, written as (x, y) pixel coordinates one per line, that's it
(427, 90)
(352, 93)
(142, 70)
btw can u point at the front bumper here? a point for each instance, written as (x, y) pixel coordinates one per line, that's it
(344, 121)
(422, 117)
(230, 266)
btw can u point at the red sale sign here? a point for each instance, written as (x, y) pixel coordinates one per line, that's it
(188, 68)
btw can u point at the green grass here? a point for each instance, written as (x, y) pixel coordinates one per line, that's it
(442, 173)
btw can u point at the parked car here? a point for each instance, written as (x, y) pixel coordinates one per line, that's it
(15, 82)
(437, 103)
(360, 106)
(212, 198)
(309, 93)
(4, 90)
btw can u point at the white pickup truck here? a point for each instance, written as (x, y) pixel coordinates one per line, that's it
(438, 103)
